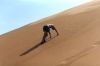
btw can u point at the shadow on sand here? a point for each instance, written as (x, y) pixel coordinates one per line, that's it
(34, 47)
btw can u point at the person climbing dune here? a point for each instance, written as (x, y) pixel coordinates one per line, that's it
(46, 30)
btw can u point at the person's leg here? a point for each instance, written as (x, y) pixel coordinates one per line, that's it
(44, 37)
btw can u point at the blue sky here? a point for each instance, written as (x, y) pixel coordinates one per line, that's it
(16, 13)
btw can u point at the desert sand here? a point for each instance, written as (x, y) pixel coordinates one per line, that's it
(77, 45)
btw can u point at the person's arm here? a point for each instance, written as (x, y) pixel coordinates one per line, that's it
(55, 30)
(50, 34)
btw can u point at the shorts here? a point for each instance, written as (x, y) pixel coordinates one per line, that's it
(46, 29)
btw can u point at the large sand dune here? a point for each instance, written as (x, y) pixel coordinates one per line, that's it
(77, 45)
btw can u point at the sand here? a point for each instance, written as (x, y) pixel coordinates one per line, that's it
(77, 45)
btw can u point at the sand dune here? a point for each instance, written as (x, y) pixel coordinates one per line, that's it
(77, 44)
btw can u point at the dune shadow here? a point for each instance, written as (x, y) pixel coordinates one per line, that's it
(36, 46)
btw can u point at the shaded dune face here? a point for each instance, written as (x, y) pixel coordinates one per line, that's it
(77, 44)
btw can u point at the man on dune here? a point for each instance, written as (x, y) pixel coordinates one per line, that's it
(46, 30)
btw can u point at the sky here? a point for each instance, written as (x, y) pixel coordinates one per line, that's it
(17, 13)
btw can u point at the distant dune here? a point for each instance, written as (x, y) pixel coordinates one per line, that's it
(77, 45)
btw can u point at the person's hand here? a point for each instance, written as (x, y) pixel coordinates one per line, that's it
(57, 34)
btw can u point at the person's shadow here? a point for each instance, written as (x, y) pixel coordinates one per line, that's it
(34, 47)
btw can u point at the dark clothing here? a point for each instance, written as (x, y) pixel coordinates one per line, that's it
(46, 28)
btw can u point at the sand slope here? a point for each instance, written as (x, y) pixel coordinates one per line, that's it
(77, 45)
